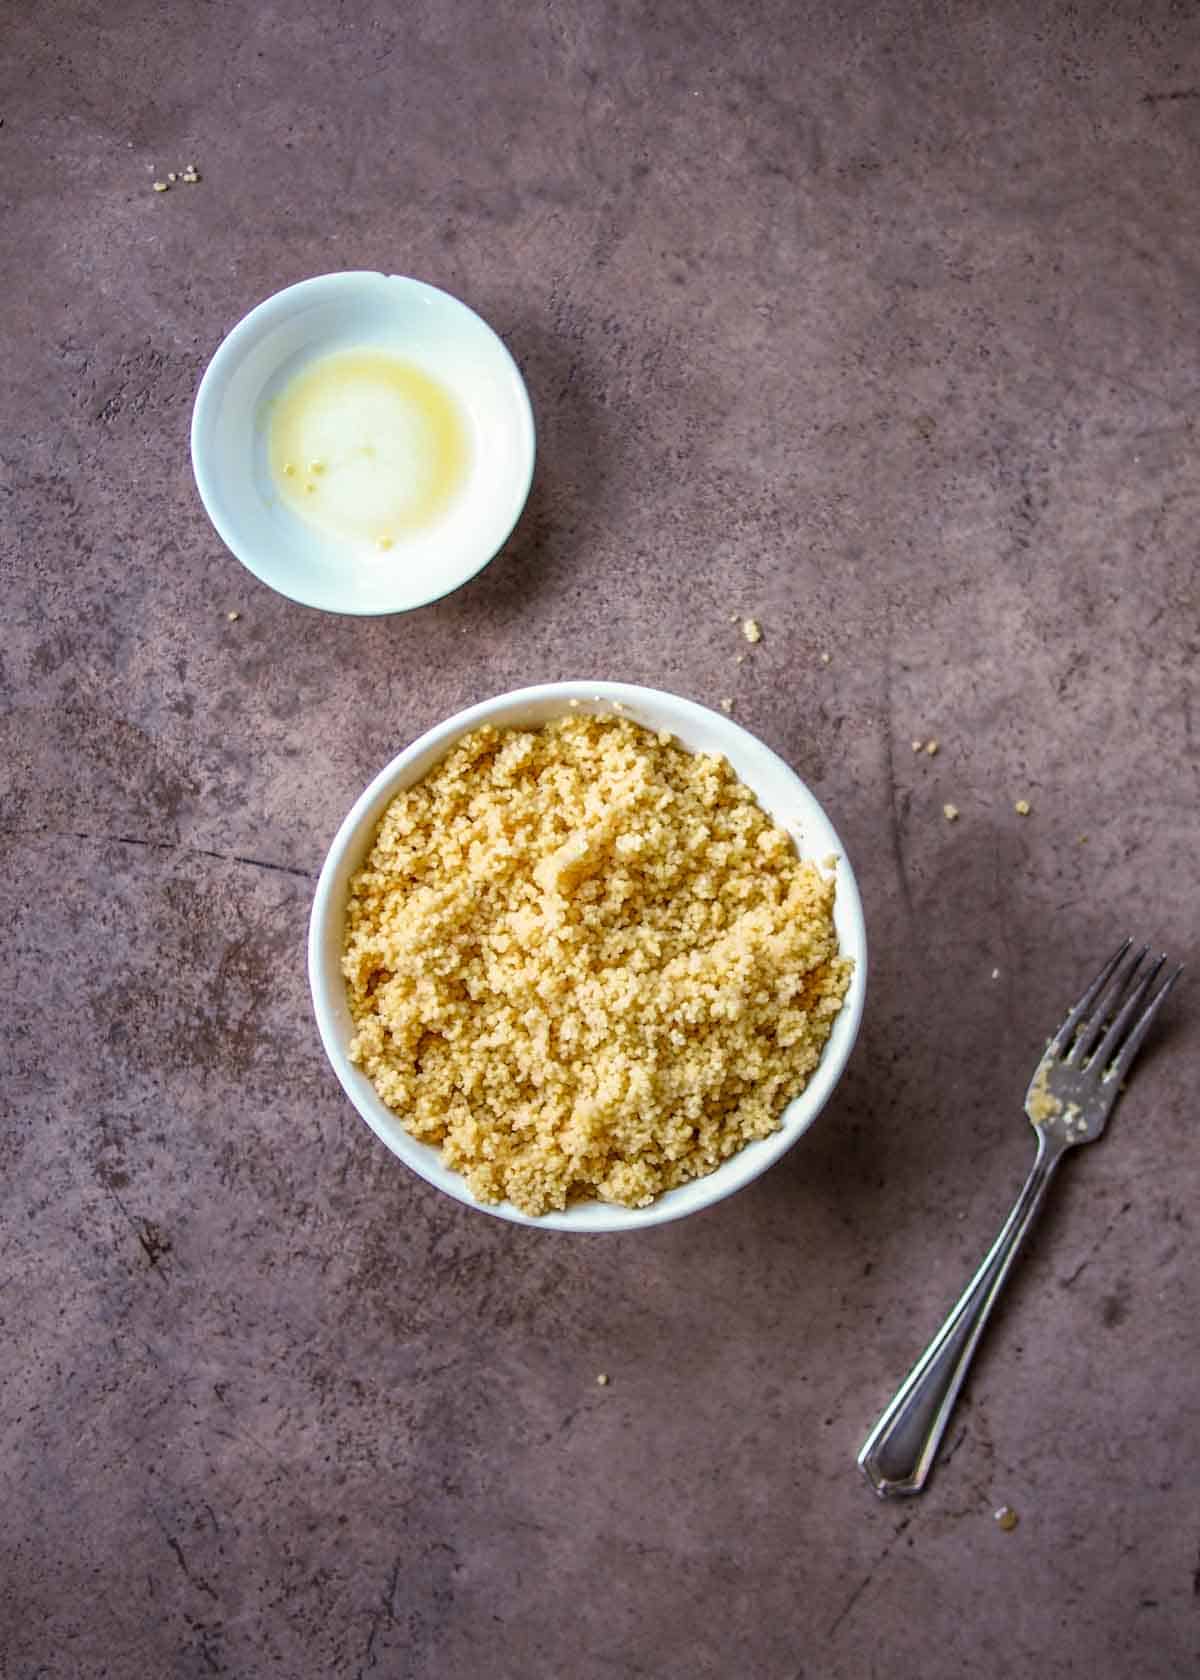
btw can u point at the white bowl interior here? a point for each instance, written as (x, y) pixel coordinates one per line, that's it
(780, 792)
(268, 348)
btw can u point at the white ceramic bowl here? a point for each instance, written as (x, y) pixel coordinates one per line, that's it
(780, 791)
(338, 312)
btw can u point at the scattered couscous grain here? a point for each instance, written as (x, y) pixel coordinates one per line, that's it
(602, 1379)
(950, 812)
(160, 186)
(1022, 807)
(727, 705)
(233, 617)
(931, 748)
(917, 746)
(584, 962)
(1041, 1104)
(752, 630)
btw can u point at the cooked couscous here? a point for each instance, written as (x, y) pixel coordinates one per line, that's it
(585, 963)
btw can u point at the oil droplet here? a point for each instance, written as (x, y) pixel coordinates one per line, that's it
(316, 466)
(383, 542)
(1007, 1519)
(309, 488)
(289, 468)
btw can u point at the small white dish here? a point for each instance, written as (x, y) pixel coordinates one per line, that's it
(780, 792)
(259, 358)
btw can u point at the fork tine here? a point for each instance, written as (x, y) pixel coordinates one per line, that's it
(1111, 1042)
(1141, 1027)
(1105, 1006)
(1062, 1037)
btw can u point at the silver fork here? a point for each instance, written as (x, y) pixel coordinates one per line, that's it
(1069, 1100)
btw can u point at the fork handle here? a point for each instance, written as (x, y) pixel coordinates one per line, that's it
(898, 1454)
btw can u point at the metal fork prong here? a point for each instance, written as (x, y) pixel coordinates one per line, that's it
(1106, 1006)
(1111, 1042)
(1141, 1027)
(1062, 1038)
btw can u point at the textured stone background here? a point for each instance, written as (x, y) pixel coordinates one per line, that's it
(879, 322)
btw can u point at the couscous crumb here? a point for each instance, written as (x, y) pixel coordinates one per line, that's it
(584, 963)
(950, 812)
(752, 630)
(1042, 1105)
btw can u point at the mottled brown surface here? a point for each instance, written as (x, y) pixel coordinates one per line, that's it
(877, 322)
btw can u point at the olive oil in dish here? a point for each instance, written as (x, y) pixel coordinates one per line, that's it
(368, 447)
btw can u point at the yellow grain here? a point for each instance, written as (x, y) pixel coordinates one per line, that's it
(583, 962)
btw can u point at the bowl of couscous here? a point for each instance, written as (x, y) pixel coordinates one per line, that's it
(587, 956)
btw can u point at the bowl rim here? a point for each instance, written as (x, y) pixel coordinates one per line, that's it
(241, 338)
(345, 855)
